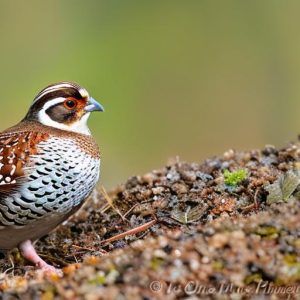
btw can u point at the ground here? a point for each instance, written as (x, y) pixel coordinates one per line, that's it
(227, 228)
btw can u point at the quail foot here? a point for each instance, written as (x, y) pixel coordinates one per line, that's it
(49, 165)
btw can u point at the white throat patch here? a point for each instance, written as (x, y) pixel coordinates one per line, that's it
(79, 127)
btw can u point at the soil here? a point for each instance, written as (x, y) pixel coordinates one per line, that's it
(180, 232)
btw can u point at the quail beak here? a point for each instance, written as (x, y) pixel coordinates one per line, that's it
(93, 105)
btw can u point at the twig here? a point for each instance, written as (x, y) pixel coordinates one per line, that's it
(54, 259)
(106, 197)
(254, 205)
(110, 202)
(130, 232)
(84, 248)
(130, 210)
(105, 208)
(12, 268)
(90, 249)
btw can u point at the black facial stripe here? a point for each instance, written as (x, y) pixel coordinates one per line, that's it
(59, 90)
(60, 114)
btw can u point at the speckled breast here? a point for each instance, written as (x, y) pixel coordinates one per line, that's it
(58, 179)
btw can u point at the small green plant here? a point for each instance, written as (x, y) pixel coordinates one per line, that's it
(234, 178)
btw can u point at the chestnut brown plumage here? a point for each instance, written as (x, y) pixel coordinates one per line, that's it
(49, 164)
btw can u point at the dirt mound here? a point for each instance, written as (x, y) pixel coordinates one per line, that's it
(230, 225)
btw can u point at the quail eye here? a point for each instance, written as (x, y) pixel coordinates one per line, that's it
(70, 104)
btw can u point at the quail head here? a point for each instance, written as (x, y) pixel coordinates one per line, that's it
(49, 165)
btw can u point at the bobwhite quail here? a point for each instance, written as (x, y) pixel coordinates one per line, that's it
(49, 165)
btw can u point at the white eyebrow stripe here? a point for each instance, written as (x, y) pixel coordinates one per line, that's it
(52, 102)
(51, 89)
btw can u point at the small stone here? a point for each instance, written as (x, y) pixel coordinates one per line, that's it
(177, 253)
(179, 188)
(219, 240)
(157, 190)
(148, 178)
(189, 176)
(229, 154)
(205, 260)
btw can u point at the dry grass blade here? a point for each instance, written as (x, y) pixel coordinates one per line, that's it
(110, 202)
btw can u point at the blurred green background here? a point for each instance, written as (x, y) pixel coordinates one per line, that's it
(186, 78)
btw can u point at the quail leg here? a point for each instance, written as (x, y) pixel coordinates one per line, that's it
(28, 252)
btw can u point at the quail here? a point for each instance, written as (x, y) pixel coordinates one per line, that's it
(49, 165)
